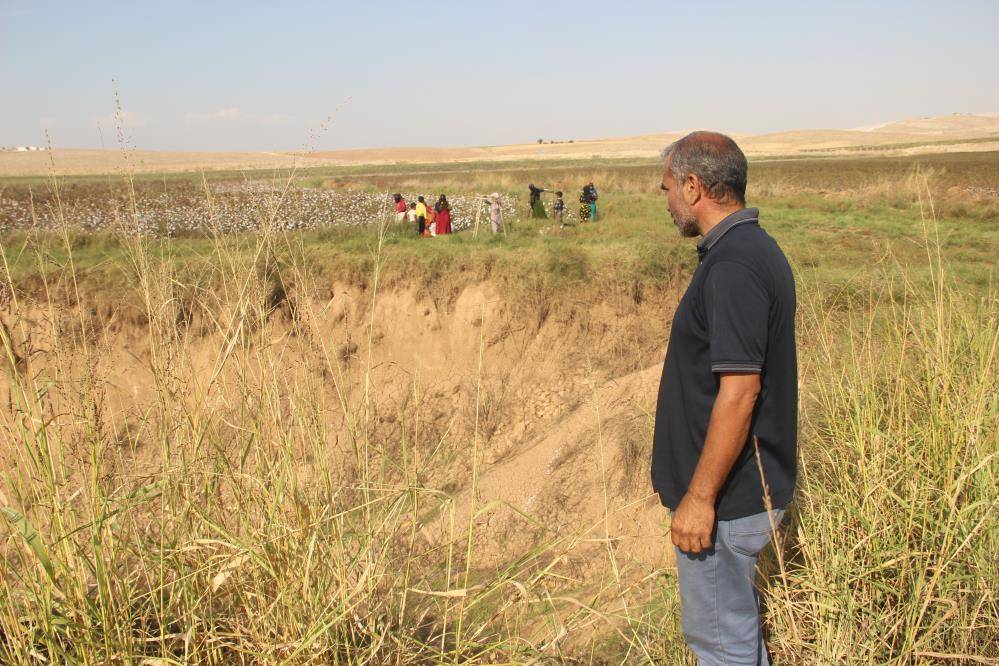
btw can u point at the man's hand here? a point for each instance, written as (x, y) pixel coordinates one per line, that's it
(693, 524)
(694, 520)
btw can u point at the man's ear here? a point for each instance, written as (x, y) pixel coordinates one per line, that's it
(691, 189)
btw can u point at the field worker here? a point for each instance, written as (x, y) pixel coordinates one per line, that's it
(591, 195)
(495, 212)
(727, 414)
(558, 210)
(421, 215)
(443, 209)
(400, 207)
(534, 199)
(584, 205)
(431, 221)
(411, 215)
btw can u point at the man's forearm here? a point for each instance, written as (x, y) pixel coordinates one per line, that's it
(727, 432)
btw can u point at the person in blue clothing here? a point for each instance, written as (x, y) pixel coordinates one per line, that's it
(590, 196)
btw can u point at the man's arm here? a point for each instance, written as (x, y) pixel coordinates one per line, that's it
(694, 520)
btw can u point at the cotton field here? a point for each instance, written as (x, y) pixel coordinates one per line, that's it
(223, 207)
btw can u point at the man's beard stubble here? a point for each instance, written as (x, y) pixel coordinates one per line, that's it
(687, 225)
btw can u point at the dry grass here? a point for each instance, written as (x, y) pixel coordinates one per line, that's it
(247, 511)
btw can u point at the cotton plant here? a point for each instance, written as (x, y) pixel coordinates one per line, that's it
(225, 208)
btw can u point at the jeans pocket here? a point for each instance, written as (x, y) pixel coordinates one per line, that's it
(748, 536)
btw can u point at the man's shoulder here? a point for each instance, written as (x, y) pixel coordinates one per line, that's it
(748, 243)
(748, 247)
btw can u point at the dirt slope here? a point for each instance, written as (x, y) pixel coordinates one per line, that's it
(549, 402)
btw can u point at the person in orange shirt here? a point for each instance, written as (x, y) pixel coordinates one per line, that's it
(431, 221)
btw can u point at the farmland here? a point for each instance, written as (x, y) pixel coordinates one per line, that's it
(218, 208)
(960, 133)
(248, 418)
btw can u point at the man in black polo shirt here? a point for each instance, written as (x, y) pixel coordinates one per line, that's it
(725, 443)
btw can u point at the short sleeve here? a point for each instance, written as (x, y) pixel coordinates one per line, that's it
(737, 309)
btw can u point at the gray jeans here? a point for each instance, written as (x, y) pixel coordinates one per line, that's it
(719, 606)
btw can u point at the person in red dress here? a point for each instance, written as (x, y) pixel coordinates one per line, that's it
(400, 208)
(443, 209)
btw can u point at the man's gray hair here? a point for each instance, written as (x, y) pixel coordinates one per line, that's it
(715, 159)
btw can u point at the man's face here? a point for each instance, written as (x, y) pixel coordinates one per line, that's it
(679, 209)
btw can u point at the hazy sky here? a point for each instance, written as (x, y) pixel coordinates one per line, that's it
(260, 75)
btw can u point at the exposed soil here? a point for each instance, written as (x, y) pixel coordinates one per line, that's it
(566, 394)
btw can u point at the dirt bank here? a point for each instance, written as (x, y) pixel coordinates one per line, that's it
(549, 404)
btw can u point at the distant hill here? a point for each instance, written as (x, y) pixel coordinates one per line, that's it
(958, 124)
(957, 132)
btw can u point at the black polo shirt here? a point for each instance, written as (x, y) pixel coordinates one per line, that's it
(737, 315)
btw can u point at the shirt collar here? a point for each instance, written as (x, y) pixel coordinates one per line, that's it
(733, 220)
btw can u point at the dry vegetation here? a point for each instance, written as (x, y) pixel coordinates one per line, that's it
(344, 444)
(957, 132)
